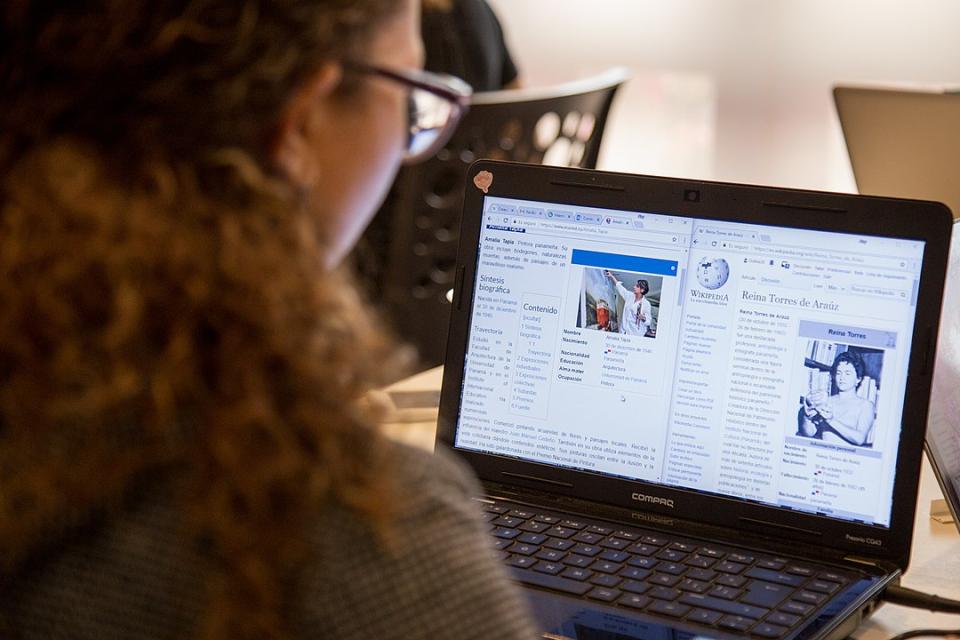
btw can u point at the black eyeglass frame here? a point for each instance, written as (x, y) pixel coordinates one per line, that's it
(450, 88)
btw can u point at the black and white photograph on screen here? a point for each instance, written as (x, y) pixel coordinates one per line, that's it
(623, 302)
(841, 386)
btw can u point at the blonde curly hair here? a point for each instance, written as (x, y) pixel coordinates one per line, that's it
(163, 302)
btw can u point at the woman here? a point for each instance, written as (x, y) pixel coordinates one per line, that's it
(843, 417)
(637, 313)
(179, 453)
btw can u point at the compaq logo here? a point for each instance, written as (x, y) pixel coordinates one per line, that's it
(642, 497)
(862, 540)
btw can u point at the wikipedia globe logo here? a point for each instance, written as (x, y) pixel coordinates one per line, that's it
(712, 273)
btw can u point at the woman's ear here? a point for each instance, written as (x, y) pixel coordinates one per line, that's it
(291, 148)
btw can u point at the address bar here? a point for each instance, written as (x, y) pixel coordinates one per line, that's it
(555, 225)
(847, 259)
(571, 230)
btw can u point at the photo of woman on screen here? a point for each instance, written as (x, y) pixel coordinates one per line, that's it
(637, 314)
(843, 416)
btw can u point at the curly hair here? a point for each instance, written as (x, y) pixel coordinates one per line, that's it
(163, 301)
(852, 358)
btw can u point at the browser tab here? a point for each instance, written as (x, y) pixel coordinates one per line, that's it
(617, 222)
(589, 218)
(725, 233)
(531, 212)
(501, 208)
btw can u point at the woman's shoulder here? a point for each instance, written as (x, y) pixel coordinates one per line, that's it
(440, 470)
(430, 488)
(435, 574)
(134, 573)
(859, 402)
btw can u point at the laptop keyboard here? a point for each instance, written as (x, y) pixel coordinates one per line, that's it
(715, 585)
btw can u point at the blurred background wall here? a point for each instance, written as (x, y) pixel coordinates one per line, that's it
(734, 90)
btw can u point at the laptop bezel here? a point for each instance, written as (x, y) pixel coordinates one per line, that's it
(865, 215)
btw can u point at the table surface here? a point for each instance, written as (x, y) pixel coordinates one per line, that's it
(934, 562)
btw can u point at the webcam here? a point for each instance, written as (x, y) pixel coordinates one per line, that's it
(691, 195)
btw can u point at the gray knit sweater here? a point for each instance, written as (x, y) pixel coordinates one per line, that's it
(137, 576)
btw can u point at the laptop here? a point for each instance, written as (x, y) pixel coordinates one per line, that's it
(903, 143)
(696, 408)
(943, 425)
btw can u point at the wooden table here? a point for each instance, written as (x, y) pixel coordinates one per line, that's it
(934, 561)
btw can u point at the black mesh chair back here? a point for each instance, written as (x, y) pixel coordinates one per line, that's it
(561, 125)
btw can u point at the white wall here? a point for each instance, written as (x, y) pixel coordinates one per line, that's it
(734, 89)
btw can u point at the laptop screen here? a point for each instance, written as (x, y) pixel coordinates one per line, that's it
(762, 363)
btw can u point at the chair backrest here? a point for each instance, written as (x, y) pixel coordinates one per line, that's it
(560, 125)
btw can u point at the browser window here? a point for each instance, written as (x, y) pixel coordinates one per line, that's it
(765, 363)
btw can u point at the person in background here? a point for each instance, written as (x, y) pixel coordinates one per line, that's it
(462, 38)
(180, 450)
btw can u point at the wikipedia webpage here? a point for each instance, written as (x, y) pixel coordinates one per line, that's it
(697, 354)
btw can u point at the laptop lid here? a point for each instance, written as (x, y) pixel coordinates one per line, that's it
(943, 426)
(902, 143)
(696, 398)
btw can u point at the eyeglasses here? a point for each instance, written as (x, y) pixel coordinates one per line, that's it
(434, 107)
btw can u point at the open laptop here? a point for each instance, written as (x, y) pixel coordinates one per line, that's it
(903, 143)
(907, 143)
(943, 425)
(734, 453)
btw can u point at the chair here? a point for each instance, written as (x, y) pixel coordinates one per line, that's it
(412, 246)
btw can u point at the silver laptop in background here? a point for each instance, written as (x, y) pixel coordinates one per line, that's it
(907, 143)
(943, 424)
(903, 143)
